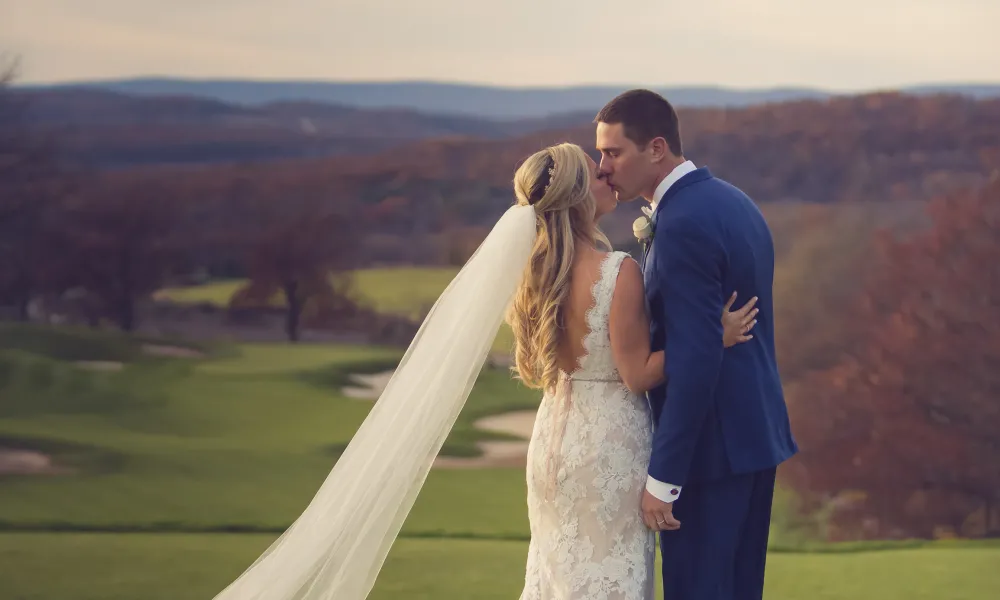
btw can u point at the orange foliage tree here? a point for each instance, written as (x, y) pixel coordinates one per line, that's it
(32, 184)
(118, 241)
(912, 418)
(297, 243)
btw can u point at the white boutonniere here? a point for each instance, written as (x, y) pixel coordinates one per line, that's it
(643, 227)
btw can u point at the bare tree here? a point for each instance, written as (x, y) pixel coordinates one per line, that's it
(119, 241)
(298, 246)
(32, 184)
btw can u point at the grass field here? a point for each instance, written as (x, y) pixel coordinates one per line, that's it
(407, 291)
(174, 455)
(198, 566)
(238, 442)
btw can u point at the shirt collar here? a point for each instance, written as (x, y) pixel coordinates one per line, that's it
(679, 171)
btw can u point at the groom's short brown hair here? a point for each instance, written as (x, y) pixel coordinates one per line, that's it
(644, 115)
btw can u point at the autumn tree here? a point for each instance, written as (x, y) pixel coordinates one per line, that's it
(299, 246)
(119, 240)
(912, 418)
(32, 184)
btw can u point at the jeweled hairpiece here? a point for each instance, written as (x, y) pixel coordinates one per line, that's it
(551, 172)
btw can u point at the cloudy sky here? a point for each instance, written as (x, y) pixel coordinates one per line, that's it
(842, 45)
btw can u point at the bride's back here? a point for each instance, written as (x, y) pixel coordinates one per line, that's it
(585, 273)
(549, 312)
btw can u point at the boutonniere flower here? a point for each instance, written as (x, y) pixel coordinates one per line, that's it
(643, 226)
(643, 229)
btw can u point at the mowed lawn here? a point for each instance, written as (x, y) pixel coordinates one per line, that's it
(69, 566)
(241, 442)
(171, 455)
(407, 291)
(399, 290)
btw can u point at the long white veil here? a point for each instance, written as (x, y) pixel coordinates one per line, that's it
(337, 546)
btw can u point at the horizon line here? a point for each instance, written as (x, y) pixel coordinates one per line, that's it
(497, 86)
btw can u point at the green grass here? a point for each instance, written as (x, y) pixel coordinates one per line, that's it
(72, 343)
(287, 359)
(240, 442)
(171, 453)
(410, 291)
(66, 343)
(181, 567)
(216, 293)
(406, 291)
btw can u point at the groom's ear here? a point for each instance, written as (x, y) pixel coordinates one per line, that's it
(658, 149)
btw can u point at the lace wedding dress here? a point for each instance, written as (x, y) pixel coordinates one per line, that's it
(586, 471)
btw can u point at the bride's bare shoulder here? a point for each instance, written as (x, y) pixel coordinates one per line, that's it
(595, 261)
(620, 260)
(592, 265)
(629, 273)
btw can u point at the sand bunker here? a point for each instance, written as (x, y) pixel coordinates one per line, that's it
(496, 453)
(148, 349)
(171, 351)
(27, 462)
(100, 365)
(367, 387)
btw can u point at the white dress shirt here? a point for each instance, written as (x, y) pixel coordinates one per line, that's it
(679, 171)
(664, 491)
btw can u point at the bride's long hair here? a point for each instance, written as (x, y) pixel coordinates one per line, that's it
(556, 181)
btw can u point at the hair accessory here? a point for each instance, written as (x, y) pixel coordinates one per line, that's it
(545, 189)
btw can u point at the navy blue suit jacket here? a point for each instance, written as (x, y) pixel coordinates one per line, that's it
(722, 411)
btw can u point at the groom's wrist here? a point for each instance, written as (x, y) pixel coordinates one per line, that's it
(663, 492)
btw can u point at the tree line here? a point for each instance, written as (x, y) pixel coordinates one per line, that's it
(103, 241)
(902, 431)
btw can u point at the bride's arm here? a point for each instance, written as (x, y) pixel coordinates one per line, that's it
(642, 370)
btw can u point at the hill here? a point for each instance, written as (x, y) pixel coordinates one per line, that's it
(474, 100)
(430, 202)
(110, 129)
(413, 201)
(815, 138)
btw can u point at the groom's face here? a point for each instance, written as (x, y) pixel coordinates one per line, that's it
(623, 164)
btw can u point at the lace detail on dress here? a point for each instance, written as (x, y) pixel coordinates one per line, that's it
(587, 463)
(597, 361)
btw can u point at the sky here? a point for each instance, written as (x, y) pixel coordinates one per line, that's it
(843, 45)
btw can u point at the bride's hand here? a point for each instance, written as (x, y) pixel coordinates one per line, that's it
(736, 325)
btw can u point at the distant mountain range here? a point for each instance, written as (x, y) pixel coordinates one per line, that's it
(419, 200)
(478, 101)
(111, 129)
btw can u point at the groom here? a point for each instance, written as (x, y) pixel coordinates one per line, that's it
(721, 426)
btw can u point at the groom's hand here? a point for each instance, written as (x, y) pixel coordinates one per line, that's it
(657, 514)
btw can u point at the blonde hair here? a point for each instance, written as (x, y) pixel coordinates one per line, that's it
(556, 181)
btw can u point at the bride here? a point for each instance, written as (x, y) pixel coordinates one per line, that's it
(581, 335)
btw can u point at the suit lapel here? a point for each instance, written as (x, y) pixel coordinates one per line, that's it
(646, 268)
(691, 178)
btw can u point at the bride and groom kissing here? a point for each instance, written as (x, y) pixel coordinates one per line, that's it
(662, 416)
